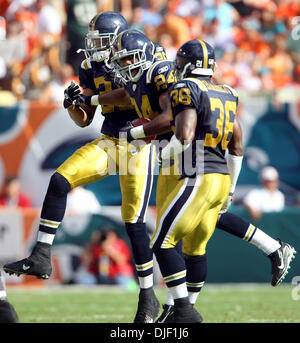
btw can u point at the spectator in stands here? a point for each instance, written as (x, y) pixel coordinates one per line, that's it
(224, 12)
(54, 91)
(264, 30)
(7, 95)
(280, 63)
(24, 12)
(219, 39)
(49, 22)
(14, 48)
(137, 19)
(49, 28)
(247, 75)
(152, 14)
(225, 71)
(16, 6)
(166, 41)
(79, 13)
(271, 26)
(106, 260)
(268, 198)
(125, 7)
(12, 196)
(118, 252)
(175, 26)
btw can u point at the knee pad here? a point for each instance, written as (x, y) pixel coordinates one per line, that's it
(58, 185)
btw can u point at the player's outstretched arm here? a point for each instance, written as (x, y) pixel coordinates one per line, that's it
(116, 97)
(159, 125)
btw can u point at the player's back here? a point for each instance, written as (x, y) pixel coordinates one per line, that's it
(216, 107)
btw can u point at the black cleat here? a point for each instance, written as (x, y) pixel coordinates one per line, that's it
(37, 264)
(184, 312)
(281, 259)
(7, 312)
(167, 315)
(148, 307)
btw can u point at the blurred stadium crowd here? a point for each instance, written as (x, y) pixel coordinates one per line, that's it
(257, 42)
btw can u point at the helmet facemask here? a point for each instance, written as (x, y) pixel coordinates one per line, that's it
(98, 45)
(139, 63)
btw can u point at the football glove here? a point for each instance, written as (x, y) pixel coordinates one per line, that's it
(83, 100)
(71, 93)
(226, 204)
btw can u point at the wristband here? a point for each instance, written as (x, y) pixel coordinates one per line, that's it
(95, 100)
(138, 132)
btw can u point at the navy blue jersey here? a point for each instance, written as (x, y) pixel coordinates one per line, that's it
(159, 52)
(145, 93)
(96, 76)
(216, 107)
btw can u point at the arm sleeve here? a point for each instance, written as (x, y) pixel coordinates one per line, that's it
(234, 164)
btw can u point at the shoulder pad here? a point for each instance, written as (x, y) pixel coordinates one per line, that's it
(200, 84)
(86, 64)
(154, 65)
(233, 91)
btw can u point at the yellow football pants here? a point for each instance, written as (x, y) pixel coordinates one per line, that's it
(108, 156)
(188, 210)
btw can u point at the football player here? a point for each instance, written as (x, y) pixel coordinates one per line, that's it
(7, 312)
(147, 85)
(189, 57)
(98, 159)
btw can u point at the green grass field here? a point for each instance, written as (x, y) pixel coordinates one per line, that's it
(217, 303)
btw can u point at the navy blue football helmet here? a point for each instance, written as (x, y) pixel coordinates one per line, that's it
(195, 57)
(135, 46)
(102, 31)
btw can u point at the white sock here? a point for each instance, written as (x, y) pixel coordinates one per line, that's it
(264, 242)
(45, 237)
(146, 281)
(193, 297)
(170, 300)
(179, 291)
